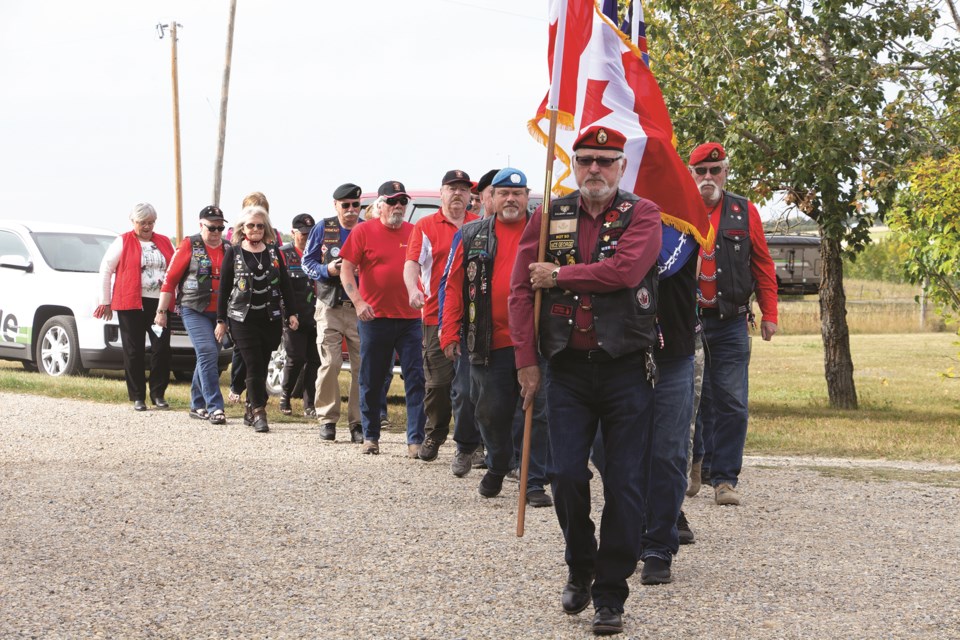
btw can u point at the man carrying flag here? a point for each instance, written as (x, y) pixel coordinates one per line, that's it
(598, 332)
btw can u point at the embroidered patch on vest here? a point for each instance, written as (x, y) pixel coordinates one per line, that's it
(643, 297)
(562, 310)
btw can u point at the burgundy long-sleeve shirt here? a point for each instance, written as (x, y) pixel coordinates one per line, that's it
(636, 253)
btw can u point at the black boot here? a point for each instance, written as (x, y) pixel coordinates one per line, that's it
(285, 408)
(260, 420)
(248, 415)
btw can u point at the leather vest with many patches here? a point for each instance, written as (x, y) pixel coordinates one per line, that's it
(304, 296)
(196, 288)
(245, 281)
(479, 249)
(330, 290)
(624, 320)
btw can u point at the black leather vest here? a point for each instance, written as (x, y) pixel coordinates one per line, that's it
(330, 290)
(243, 283)
(304, 296)
(624, 320)
(479, 250)
(735, 281)
(196, 288)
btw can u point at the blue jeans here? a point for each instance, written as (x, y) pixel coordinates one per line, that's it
(465, 432)
(667, 457)
(614, 397)
(205, 389)
(379, 338)
(539, 440)
(723, 401)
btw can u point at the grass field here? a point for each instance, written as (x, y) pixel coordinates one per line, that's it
(908, 409)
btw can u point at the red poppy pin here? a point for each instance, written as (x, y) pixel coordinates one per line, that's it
(612, 216)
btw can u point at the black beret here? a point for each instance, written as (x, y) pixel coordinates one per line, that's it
(346, 192)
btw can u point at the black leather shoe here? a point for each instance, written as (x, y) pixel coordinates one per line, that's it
(139, 405)
(328, 431)
(160, 403)
(538, 498)
(607, 622)
(356, 434)
(684, 532)
(576, 593)
(490, 483)
(655, 571)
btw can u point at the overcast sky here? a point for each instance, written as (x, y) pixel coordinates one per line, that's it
(321, 93)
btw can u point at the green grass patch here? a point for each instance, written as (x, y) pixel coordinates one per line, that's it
(943, 479)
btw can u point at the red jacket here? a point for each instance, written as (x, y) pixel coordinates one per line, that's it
(126, 284)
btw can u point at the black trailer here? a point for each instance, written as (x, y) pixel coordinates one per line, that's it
(797, 259)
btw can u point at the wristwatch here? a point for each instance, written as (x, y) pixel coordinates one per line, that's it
(554, 274)
(162, 312)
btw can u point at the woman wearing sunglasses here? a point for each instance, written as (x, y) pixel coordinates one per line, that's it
(255, 298)
(194, 275)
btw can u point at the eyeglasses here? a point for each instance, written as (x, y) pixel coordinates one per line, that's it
(714, 171)
(602, 162)
(255, 225)
(214, 227)
(395, 201)
(350, 205)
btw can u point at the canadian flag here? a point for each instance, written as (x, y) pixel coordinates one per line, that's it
(601, 79)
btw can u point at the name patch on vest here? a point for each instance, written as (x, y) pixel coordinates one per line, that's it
(562, 310)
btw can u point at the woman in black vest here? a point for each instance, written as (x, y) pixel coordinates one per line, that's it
(255, 297)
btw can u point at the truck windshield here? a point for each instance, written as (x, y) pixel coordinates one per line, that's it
(76, 252)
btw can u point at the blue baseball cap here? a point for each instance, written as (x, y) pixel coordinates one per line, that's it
(509, 177)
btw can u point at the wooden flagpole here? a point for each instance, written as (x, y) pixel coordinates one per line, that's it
(552, 109)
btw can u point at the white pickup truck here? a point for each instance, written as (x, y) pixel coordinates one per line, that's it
(49, 283)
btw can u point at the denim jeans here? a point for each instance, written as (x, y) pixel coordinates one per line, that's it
(539, 440)
(378, 340)
(205, 389)
(666, 462)
(723, 400)
(614, 397)
(465, 432)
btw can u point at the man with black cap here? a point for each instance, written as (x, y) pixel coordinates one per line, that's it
(300, 345)
(476, 299)
(336, 319)
(598, 331)
(736, 267)
(426, 257)
(486, 192)
(375, 252)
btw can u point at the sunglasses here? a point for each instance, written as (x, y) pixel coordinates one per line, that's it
(702, 171)
(350, 205)
(603, 163)
(214, 227)
(396, 201)
(255, 225)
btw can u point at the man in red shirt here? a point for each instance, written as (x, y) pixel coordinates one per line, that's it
(427, 254)
(375, 251)
(736, 267)
(480, 282)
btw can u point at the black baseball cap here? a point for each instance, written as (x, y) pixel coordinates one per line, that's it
(456, 175)
(211, 212)
(391, 189)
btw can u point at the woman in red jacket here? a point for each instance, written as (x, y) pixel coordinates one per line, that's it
(136, 263)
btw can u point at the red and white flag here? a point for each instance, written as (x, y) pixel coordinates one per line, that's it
(600, 78)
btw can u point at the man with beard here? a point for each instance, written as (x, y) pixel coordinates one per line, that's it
(480, 282)
(335, 316)
(375, 252)
(736, 267)
(598, 332)
(427, 254)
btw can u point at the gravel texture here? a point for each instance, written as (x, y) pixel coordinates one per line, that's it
(120, 524)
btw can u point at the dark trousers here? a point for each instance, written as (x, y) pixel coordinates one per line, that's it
(256, 337)
(616, 398)
(238, 373)
(302, 355)
(135, 328)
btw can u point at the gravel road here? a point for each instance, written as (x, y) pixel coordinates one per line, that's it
(118, 524)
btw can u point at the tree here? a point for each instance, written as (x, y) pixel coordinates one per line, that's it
(824, 100)
(927, 216)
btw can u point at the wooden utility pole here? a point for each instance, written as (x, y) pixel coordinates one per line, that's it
(224, 92)
(176, 122)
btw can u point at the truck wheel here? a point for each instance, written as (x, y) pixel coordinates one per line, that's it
(58, 350)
